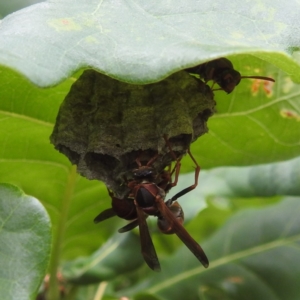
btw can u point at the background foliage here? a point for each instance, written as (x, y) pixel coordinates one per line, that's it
(244, 217)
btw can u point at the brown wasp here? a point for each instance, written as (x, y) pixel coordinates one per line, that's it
(221, 71)
(146, 197)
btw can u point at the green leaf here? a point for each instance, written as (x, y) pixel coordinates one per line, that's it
(263, 181)
(25, 242)
(110, 261)
(158, 39)
(253, 126)
(30, 161)
(254, 255)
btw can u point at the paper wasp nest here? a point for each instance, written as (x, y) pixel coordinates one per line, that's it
(103, 125)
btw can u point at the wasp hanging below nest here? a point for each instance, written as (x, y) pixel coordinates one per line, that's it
(146, 197)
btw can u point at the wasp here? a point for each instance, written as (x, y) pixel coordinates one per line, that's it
(147, 198)
(221, 71)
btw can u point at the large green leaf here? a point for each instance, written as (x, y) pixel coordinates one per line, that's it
(255, 255)
(25, 243)
(143, 42)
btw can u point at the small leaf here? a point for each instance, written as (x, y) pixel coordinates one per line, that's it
(25, 241)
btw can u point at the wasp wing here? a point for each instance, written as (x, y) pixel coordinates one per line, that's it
(147, 247)
(180, 231)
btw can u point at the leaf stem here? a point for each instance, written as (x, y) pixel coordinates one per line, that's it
(100, 291)
(53, 292)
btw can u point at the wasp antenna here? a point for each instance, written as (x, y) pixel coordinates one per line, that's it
(259, 77)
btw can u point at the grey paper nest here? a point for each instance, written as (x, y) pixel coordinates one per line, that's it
(103, 125)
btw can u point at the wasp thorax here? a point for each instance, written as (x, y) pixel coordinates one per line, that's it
(144, 172)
